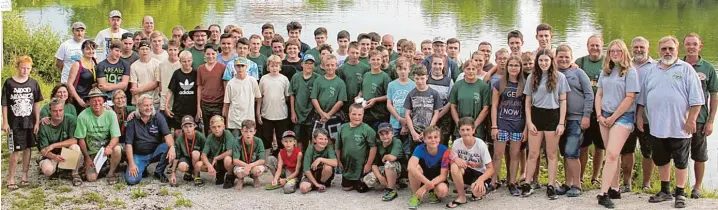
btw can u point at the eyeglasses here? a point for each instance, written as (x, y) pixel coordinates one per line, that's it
(667, 49)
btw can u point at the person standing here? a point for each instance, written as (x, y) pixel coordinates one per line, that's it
(112, 73)
(70, 51)
(642, 61)
(104, 37)
(592, 64)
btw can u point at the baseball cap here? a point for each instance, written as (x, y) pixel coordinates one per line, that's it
(241, 61)
(77, 25)
(115, 13)
(309, 57)
(385, 127)
(439, 39)
(288, 134)
(144, 43)
(187, 119)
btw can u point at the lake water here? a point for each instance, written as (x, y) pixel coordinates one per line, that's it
(471, 21)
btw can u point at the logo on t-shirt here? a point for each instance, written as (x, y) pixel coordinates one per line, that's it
(677, 76)
(701, 76)
(477, 98)
(23, 97)
(186, 87)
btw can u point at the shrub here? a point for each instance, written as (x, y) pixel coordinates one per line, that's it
(38, 42)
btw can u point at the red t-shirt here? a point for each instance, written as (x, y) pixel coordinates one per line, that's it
(289, 160)
(211, 82)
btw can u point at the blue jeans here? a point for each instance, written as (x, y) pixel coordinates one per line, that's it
(159, 156)
(570, 142)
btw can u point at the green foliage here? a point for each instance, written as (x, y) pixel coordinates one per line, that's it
(36, 200)
(120, 186)
(164, 192)
(118, 203)
(59, 200)
(94, 197)
(38, 42)
(63, 189)
(138, 193)
(183, 202)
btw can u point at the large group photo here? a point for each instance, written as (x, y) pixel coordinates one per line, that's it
(294, 114)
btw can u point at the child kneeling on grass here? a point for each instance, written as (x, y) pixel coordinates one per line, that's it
(471, 163)
(428, 169)
(386, 167)
(319, 163)
(248, 156)
(287, 167)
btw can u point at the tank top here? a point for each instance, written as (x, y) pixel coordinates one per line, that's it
(290, 161)
(84, 81)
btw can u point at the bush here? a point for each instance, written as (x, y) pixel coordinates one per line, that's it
(38, 42)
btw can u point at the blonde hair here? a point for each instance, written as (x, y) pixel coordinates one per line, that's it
(216, 119)
(274, 59)
(185, 54)
(669, 39)
(155, 34)
(625, 62)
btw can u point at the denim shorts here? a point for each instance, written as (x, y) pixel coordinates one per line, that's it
(626, 120)
(570, 142)
(505, 136)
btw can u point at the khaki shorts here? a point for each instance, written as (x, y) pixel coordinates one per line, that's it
(239, 169)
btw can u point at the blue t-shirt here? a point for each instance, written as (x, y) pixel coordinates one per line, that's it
(397, 94)
(229, 71)
(511, 108)
(427, 161)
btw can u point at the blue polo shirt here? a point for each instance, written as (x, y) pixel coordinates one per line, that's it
(145, 137)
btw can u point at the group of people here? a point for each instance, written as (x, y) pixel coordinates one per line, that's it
(237, 107)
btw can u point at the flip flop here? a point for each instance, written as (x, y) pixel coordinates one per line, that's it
(12, 186)
(272, 187)
(454, 204)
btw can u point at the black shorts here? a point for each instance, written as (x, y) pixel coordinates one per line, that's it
(630, 146)
(174, 122)
(318, 176)
(699, 146)
(56, 151)
(188, 161)
(304, 134)
(643, 142)
(545, 119)
(471, 175)
(592, 135)
(20, 139)
(665, 149)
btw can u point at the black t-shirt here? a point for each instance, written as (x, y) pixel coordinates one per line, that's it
(19, 99)
(290, 68)
(113, 72)
(184, 92)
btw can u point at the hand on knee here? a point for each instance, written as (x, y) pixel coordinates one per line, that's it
(117, 150)
(183, 167)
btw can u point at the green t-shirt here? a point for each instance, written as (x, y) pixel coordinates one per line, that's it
(181, 145)
(592, 68)
(393, 56)
(122, 118)
(354, 142)
(329, 92)
(301, 89)
(96, 131)
(215, 145)
(261, 62)
(69, 109)
(374, 86)
(364, 60)
(394, 148)
(391, 71)
(312, 154)
(470, 99)
(709, 82)
(254, 154)
(352, 76)
(314, 52)
(197, 58)
(266, 51)
(318, 70)
(49, 134)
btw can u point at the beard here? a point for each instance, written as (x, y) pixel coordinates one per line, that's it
(668, 61)
(639, 56)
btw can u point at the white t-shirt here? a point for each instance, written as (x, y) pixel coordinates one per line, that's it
(69, 52)
(161, 57)
(144, 73)
(240, 95)
(275, 90)
(103, 39)
(167, 69)
(477, 156)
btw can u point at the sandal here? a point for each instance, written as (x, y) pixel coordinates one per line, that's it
(474, 198)
(595, 182)
(198, 182)
(272, 187)
(24, 183)
(454, 204)
(112, 179)
(76, 180)
(12, 186)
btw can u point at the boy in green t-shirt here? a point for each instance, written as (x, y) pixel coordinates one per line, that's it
(374, 88)
(248, 155)
(352, 73)
(300, 105)
(218, 148)
(328, 95)
(386, 170)
(318, 163)
(320, 36)
(188, 147)
(54, 136)
(355, 148)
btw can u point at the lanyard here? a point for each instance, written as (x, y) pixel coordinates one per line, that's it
(189, 149)
(91, 70)
(121, 121)
(246, 157)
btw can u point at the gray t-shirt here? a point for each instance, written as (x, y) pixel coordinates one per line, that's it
(579, 101)
(667, 95)
(422, 105)
(542, 98)
(442, 86)
(615, 88)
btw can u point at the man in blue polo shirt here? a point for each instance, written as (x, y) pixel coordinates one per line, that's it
(144, 135)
